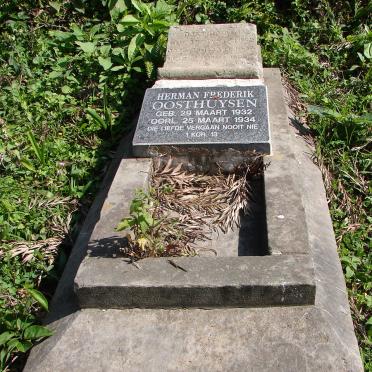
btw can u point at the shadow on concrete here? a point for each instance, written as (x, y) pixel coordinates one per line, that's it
(302, 130)
(107, 247)
(253, 229)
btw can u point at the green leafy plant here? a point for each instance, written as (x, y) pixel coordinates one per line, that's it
(107, 121)
(146, 240)
(153, 233)
(18, 330)
(140, 220)
(20, 335)
(19, 338)
(146, 31)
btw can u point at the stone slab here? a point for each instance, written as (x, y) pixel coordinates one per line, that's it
(104, 281)
(297, 338)
(285, 216)
(203, 117)
(202, 282)
(281, 339)
(212, 51)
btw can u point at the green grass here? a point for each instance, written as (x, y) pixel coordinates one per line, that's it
(72, 75)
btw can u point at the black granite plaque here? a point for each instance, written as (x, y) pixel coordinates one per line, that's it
(231, 117)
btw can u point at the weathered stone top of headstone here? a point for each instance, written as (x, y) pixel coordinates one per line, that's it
(212, 51)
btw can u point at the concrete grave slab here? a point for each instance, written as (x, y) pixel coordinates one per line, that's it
(282, 339)
(106, 280)
(318, 338)
(223, 51)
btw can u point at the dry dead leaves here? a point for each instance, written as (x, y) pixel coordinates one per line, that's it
(48, 248)
(202, 203)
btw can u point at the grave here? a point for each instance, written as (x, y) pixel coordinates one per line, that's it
(169, 123)
(284, 308)
(222, 119)
(226, 280)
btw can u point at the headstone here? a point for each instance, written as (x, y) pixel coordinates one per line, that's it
(212, 51)
(210, 117)
(210, 107)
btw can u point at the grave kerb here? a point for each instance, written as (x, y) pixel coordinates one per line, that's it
(106, 281)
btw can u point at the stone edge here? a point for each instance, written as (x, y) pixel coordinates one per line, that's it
(202, 282)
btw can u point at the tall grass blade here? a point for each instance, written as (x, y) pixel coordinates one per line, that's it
(38, 150)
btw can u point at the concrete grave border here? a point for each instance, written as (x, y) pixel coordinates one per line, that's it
(318, 337)
(286, 277)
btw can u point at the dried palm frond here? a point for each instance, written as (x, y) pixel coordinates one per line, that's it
(203, 200)
(187, 208)
(48, 248)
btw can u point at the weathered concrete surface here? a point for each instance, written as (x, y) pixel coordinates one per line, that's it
(307, 338)
(203, 282)
(111, 283)
(223, 51)
(287, 228)
(294, 339)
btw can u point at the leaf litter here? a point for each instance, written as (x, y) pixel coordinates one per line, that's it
(188, 207)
